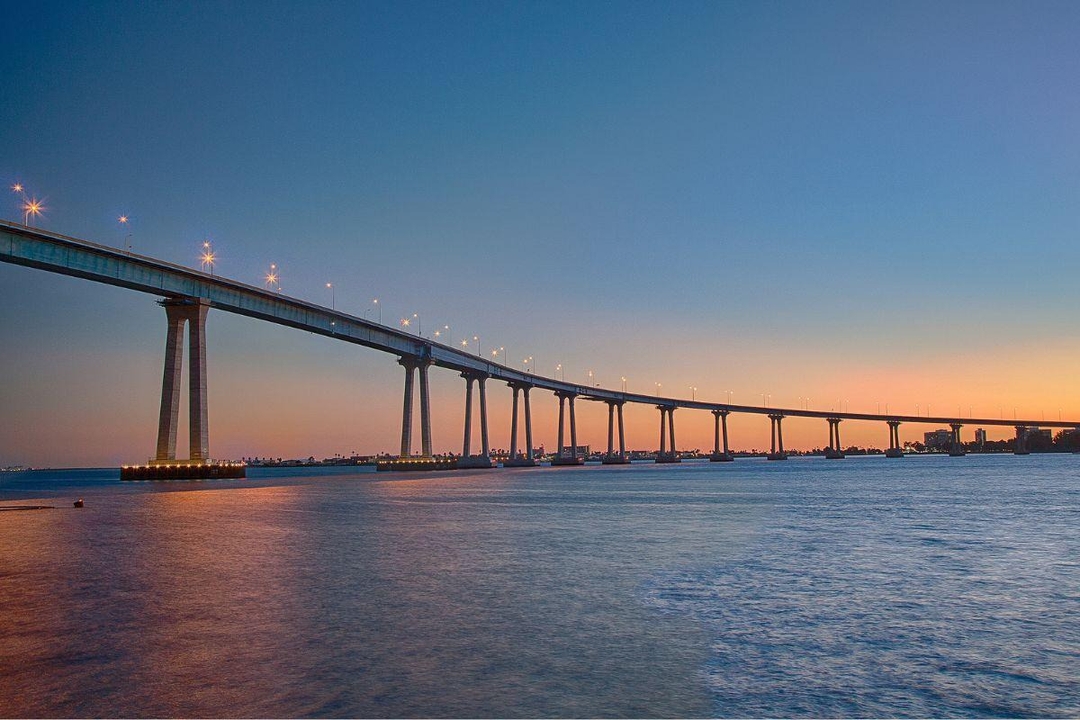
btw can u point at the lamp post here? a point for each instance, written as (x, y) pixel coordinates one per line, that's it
(333, 299)
(623, 378)
(693, 393)
(272, 277)
(207, 258)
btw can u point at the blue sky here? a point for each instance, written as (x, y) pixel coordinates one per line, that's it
(859, 201)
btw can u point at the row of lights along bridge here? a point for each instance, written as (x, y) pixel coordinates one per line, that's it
(33, 208)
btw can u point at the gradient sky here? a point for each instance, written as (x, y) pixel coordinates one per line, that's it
(867, 203)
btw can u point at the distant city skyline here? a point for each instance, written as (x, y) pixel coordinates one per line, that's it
(838, 204)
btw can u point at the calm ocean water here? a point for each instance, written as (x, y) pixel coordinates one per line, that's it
(929, 586)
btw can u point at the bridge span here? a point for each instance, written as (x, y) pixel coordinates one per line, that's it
(188, 294)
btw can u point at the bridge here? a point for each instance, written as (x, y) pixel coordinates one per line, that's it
(187, 295)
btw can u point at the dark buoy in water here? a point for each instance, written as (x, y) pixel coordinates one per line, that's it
(79, 503)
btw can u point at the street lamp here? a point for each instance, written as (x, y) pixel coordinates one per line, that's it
(375, 302)
(419, 327)
(207, 258)
(124, 220)
(272, 277)
(658, 386)
(525, 363)
(333, 299)
(558, 368)
(476, 339)
(693, 393)
(32, 208)
(623, 378)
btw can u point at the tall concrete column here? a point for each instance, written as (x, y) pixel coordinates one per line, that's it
(481, 383)
(610, 429)
(562, 424)
(833, 452)
(407, 407)
(170, 383)
(198, 414)
(671, 430)
(425, 409)
(663, 429)
(466, 446)
(528, 428)
(622, 435)
(720, 431)
(514, 425)
(777, 438)
(573, 430)
(894, 450)
(956, 449)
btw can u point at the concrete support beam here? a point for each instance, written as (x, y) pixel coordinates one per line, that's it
(466, 445)
(613, 458)
(407, 406)
(170, 384)
(178, 312)
(561, 457)
(425, 410)
(777, 438)
(667, 434)
(720, 453)
(894, 450)
(956, 449)
(516, 458)
(834, 451)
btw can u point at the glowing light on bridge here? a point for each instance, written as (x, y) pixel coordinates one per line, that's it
(272, 278)
(17, 188)
(123, 219)
(207, 258)
(32, 208)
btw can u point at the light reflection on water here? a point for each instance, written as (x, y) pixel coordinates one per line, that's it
(918, 587)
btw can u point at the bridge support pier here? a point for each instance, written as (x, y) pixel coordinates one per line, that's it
(467, 459)
(834, 451)
(561, 456)
(894, 450)
(721, 430)
(664, 456)
(777, 439)
(956, 448)
(178, 312)
(613, 458)
(411, 365)
(516, 459)
(1021, 441)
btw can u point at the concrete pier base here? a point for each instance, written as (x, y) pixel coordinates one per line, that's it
(668, 458)
(475, 462)
(894, 453)
(777, 456)
(520, 462)
(184, 470)
(831, 454)
(413, 464)
(721, 457)
(568, 461)
(615, 460)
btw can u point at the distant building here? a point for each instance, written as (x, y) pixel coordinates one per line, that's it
(582, 450)
(980, 437)
(937, 440)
